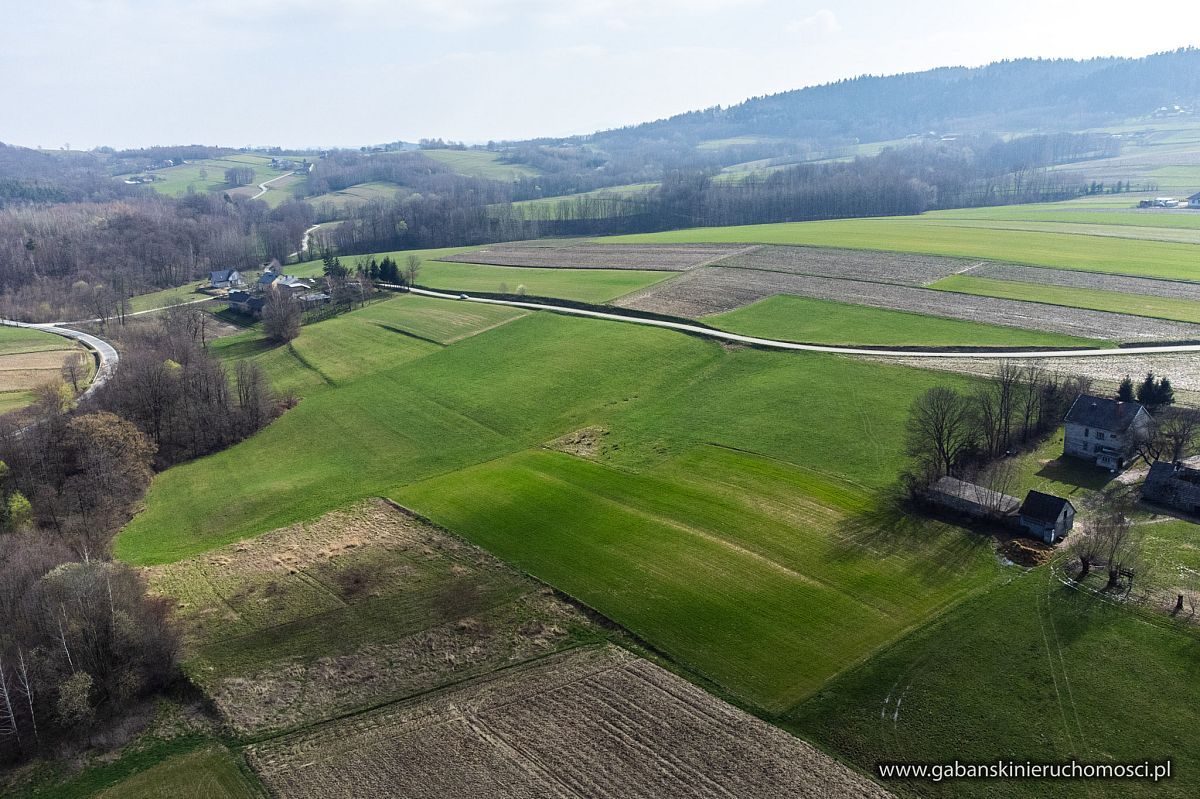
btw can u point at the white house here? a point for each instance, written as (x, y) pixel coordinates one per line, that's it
(1194, 200)
(225, 279)
(1104, 431)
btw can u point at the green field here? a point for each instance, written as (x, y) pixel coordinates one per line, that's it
(924, 235)
(1114, 301)
(17, 340)
(209, 174)
(480, 164)
(211, 773)
(609, 202)
(583, 285)
(1029, 670)
(763, 577)
(166, 297)
(30, 358)
(356, 194)
(813, 321)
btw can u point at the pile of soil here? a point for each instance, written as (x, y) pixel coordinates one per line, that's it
(1026, 551)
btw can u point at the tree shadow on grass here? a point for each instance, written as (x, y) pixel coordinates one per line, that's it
(248, 348)
(892, 527)
(1072, 472)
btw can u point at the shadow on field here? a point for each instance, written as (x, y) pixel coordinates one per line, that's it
(249, 348)
(1076, 473)
(891, 527)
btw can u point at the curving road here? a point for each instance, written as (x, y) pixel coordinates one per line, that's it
(791, 345)
(106, 354)
(265, 185)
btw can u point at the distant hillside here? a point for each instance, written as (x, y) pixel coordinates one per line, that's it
(1008, 96)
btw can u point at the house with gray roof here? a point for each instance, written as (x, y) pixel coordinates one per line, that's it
(225, 279)
(1194, 200)
(1105, 431)
(969, 499)
(1046, 517)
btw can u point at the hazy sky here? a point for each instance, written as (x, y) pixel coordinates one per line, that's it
(348, 72)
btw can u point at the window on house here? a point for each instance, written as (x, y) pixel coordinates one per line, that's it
(1099, 435)
(1086, 432)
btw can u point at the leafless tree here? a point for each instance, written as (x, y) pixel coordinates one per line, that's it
(281, 318)
(73, 370)
(941, 428)
(412, 269)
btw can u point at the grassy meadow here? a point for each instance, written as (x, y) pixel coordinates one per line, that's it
(480, 164)
(813, 321)
(1029, 670)
(209, 174)
(583, 285)
(1095, 299)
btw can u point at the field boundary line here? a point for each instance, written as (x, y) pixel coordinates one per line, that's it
(776, 344)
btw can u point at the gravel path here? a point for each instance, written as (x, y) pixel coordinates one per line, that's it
(717, 289)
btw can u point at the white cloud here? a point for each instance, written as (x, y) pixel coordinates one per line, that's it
(822, 22)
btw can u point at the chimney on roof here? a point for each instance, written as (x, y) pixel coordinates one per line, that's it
(1093, 405)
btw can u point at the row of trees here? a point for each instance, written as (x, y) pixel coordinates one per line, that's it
(949, 430)
(1152, 392)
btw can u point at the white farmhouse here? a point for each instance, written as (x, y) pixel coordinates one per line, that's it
(1105, 431)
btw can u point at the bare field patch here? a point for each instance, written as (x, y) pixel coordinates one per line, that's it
(588, 255)
(882, 267)
(587, 442)
(717, 289)
(21, 371)
(592, 722)
(362, 606)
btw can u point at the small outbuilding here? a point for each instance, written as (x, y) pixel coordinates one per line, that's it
(970, 499)
(1175, 485)
(1046, 517)
(1194, 200)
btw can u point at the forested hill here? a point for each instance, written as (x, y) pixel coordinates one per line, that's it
(1007, 96)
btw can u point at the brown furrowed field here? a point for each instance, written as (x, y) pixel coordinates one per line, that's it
(558, 254)
(1125, 284)
(363, 606)
(716, 289)
(882, 267)
(594, 722)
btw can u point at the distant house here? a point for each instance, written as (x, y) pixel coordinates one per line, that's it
(247, 303)
(291, 286)
(1104, 431)
(1176, 485)
(315, 299)
(970, 499)
(1194, 200)
(1046, 516)
(225, 279)
(1166, 202)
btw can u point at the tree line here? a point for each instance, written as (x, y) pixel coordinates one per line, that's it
(82, 643)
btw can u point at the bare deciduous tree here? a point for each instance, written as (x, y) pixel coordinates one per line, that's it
(281, 318)
(941, 428)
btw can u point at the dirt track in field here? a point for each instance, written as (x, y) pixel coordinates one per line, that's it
(716, 289)
(589, 723)
(587, 255)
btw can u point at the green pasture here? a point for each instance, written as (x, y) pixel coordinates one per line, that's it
(583, 285)
(762, 576)
(480, 164)
(923, 235)
(1095, 299)
(1030, 670)
(814, 321)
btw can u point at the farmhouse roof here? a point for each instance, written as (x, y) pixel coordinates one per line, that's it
(1195, 197)
(1103, 413)
(238, 296)
(975, 494)
(267, 278)
(1044, 507)
(293, 282)
(221, 275)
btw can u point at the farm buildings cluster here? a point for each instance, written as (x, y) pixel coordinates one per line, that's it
(1106, 433)
(251, 299)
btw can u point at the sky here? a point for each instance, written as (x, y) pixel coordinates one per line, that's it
(326, 73)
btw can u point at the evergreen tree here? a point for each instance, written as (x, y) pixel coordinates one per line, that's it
(1148, 390)
(1165, 392)
(1125, 390)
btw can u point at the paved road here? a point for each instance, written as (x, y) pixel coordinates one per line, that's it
(790, 345)
(262, 187)
(106, 354)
